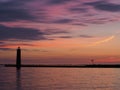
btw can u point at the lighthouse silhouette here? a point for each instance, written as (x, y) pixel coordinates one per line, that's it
(18, 58)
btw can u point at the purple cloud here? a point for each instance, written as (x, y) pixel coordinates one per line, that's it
(13, 11)
(105, 6)
(63, 21)
(78, 9)
(55, 31)
(13, 33)
(6, 49)
(86, 36)
(56, 2)
(65, 37)
(30, 34)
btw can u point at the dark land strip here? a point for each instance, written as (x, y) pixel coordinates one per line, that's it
(66, 66)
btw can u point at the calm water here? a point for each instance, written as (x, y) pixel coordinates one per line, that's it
(59, 79)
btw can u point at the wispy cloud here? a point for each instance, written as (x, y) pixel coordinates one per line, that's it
(13, 10)
(55, 31)
(105, 6)
(13, 33)
(103, 41)
(6, 49)
(4, 44)
(57, 2)
(78, 9)
(86, 36)
(63, 21)
(65, 37)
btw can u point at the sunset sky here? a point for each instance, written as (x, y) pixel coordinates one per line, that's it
(60, 31)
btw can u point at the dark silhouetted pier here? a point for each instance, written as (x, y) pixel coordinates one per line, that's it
(67, 66)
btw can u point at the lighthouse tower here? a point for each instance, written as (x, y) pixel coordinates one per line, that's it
(18, 58)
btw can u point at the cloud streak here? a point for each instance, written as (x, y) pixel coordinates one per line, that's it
(105, 6)
(13, 11)
(86, 36)
(57, 2)
(103, 41)
(6, 49)
(13, 33)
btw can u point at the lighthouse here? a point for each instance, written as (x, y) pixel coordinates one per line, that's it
(18, 58)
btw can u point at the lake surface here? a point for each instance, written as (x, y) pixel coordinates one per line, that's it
(60, 79)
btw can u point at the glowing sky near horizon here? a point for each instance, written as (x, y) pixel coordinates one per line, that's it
(60, 31)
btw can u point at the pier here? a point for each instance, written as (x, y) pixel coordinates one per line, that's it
(66, 66)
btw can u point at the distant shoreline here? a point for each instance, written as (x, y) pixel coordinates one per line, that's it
(66, 66)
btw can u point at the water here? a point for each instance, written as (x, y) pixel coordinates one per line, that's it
(60, 79)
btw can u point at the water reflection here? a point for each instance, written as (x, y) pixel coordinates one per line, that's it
(18, 79)
(63, 79)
